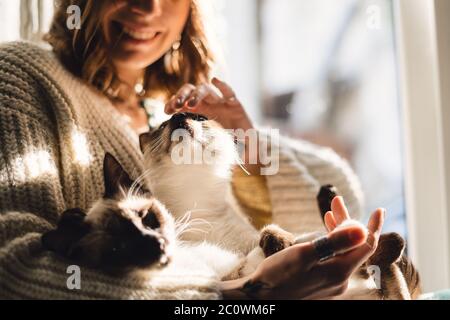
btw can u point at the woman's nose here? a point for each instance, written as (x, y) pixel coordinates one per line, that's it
(146, 7)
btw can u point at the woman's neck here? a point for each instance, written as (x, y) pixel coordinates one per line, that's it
(129, 76)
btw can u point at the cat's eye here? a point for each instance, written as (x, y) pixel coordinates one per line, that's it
(151, 221)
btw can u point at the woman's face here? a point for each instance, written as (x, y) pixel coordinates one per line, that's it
(139, 32)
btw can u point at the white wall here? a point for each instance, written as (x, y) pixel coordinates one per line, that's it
(9, 20)
(424, 33)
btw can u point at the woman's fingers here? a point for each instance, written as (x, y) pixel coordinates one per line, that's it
(353, 259)
(224, 88)
(189, 97)
(339, 209)
(202, 94)
(376, 221)
(330, 222)
(177, 101)
(375, 226)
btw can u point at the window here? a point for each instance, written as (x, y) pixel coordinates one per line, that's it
(326, 71)
(369, 78)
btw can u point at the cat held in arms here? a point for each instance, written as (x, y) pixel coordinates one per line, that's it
(129, 232)
(132, 231)
(203, 190)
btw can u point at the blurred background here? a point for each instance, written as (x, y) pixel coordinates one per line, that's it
(321, 70)
(324, 71)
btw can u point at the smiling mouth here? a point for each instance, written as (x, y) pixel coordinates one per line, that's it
(137, 35)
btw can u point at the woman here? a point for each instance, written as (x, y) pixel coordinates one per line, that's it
(61, 111)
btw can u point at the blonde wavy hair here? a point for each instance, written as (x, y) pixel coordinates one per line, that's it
(84, 52)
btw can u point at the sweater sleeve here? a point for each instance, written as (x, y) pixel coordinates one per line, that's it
(31, 196)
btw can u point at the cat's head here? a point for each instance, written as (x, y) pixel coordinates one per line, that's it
(189, 143)
(126, 230)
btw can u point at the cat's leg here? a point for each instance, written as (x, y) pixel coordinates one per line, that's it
(274, 239)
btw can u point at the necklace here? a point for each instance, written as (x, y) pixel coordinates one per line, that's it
(130, 97)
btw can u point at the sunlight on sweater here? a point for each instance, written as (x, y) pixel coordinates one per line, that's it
(31, 166)
(82, 156)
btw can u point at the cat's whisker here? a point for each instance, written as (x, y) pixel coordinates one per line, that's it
(136, 186)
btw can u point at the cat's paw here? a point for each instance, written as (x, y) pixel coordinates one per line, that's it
(274, 239)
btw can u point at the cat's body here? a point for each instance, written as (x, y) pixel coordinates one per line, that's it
(129, 232)
(200, 188)
(204, 189)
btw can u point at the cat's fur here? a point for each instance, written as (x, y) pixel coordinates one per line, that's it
(129, 232)
(204, 190)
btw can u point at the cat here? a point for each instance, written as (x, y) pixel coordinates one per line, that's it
(121, 231)
(128, 232)
(199, 186)
(203, 188)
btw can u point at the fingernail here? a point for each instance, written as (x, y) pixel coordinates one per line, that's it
(179, 102)
(192, 102)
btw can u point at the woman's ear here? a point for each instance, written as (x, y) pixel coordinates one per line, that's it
(144, 140)
(71, 228)
(115, 177)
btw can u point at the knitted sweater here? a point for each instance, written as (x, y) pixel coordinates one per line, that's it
(54, 132)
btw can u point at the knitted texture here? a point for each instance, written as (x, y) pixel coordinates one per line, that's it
(54, 132)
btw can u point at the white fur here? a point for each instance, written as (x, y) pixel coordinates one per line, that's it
(204, 191)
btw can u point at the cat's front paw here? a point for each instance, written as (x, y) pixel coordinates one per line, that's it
(274, 239)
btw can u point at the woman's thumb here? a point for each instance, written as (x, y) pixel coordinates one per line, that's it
(346, 238)
(341, 240)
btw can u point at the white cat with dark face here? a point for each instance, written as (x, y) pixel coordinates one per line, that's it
(200, 186)
(204, 189)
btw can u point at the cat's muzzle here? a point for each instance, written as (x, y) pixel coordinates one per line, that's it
(181, 121)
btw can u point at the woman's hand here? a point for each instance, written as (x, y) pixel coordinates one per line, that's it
(203, 99)
(298, 273)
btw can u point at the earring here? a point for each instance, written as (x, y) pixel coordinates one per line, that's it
(172, 58)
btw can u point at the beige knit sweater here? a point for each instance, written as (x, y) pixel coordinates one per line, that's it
(54, 132)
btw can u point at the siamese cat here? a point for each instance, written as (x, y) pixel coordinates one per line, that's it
(188, 164)
(129, 232)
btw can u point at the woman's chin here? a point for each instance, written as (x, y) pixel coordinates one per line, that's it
(133, 59)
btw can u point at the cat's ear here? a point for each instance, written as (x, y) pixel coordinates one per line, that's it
(71, 228)
(390, 249)
(144, 141)
(115, 177)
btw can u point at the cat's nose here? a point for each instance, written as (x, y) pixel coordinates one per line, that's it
(151, 243)
(179, 119)
(149, 250)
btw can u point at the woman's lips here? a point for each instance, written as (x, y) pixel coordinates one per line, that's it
(140, 35)
(136, 36)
